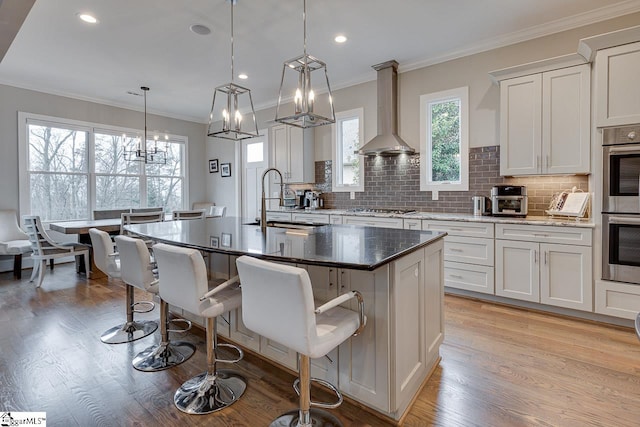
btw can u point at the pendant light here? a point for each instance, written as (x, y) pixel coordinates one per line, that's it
(153, 155)
(226, 120)
(306, 110)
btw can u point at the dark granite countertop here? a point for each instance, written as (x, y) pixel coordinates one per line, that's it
(340, 246)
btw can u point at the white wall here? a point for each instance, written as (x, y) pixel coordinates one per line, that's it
(472, 71)
(14, 99)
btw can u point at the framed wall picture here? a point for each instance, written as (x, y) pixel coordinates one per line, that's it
(213, 166)
(225, 169)
(215, 242)
(226, 239)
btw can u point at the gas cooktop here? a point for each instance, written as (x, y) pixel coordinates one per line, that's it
(381, 210)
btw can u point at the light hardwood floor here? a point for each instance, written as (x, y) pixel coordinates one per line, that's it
(501, 366)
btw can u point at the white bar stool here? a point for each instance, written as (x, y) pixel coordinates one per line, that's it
(183, 283)
(136, 273)
(137, 270)
(277, 303)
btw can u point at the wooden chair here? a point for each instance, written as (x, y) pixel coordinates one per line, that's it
(44, 248)
(109, 213)
(139, 218)
(13, 240)
(189, 214)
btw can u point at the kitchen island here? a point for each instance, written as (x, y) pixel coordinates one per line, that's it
(398, 272)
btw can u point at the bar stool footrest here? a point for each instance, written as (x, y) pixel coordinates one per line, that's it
(236, 348)
(151, 305)
(180, 331)
(296, 387)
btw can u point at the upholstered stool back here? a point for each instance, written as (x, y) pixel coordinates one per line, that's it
(135, 263)
(183, 276)
(103, 253)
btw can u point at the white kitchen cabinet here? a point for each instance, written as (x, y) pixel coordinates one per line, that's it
(335, 219)
(537, 265)
(468, 254)
(517, 270)
(617, 92)
(412, 224)
(278, 216)
(373, 221)
(545, 122)
(292, 152)
(315, 218)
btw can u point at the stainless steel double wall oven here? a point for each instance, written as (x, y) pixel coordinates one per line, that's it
(621, 204)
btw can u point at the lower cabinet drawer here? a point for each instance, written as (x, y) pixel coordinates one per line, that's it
(278, 216)
(477, 278)
(470, 250)
(310, 218)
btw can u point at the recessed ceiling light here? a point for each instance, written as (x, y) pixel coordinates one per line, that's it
(340, 39)
(200, 29)
(87, 18)
(243, 76)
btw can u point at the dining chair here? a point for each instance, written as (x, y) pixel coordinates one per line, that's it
(203, 205)
(139, 218)
(184, 284)
(45, 248)
(278, 304)
(109, 213)
(189, 214)
(218, 211)
(13, 240)
(144, 210)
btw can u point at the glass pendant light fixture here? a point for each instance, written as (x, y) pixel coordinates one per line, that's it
(152, 155)
(306, 110)
(226, 120)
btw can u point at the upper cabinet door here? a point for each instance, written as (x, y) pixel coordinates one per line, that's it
(520, 125)
(566, 107)
(617, 85)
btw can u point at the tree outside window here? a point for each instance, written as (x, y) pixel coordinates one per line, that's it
(72, 169)
(348, 172)
(445, 141)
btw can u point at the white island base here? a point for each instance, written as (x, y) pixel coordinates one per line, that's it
(384, 367)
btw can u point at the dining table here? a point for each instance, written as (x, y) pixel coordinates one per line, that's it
(81, 228)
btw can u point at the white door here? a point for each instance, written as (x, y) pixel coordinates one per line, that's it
(254, 162)
(566, 277)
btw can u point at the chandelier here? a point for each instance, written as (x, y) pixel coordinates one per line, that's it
(231, 99)
(145, 153)
(307, 110)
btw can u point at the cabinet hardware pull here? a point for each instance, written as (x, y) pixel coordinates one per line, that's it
(456, 229)
(546, 257)
(455, 276)
(456, 250)
(540, 235)
(535, 257)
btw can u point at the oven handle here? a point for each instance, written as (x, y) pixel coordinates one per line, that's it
(635, 148)
(623, 220)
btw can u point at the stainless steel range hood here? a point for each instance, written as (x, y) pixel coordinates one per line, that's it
(387, 143)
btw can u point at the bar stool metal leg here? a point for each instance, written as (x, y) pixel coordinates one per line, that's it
(306, 416)
(131, 330)
(166, 354)
(214, 389)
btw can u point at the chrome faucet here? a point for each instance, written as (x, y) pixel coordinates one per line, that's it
(263, 211)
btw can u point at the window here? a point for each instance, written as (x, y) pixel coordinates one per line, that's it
(348, 167)
(69, 168)
(444, 135)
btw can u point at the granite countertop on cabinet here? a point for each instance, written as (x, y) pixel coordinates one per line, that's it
(445, 216)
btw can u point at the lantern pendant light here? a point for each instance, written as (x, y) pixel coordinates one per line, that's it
(297, 85)
(226, 120)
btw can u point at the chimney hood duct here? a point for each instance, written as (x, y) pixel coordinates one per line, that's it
(387, 143)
